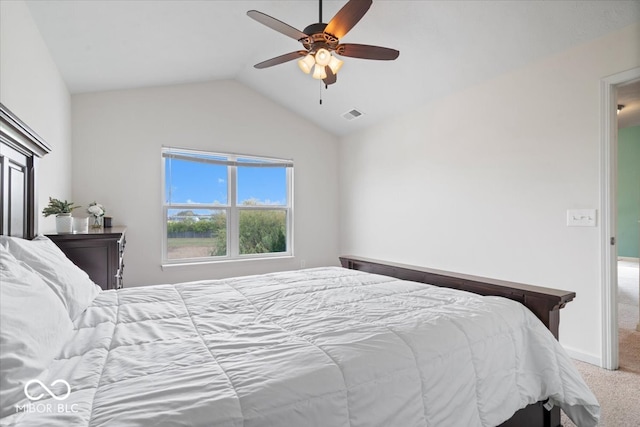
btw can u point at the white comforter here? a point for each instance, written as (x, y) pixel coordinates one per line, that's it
(319, 347)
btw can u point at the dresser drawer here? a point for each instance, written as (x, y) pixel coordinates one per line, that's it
(100, 253)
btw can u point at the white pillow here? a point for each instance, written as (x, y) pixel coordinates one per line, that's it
(34, 326)
(68, 281)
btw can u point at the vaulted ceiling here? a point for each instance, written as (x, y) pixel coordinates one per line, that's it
(444, 46)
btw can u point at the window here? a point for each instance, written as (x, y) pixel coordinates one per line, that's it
(225, 206)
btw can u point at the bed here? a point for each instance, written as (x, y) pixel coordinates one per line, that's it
(370, 343)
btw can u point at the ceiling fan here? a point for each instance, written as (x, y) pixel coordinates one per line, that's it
(320, 40)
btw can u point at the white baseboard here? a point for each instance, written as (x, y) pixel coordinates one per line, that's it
(583, 357)
(627, 258)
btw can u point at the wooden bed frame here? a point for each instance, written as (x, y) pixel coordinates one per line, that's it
(21, 148)
(545, 303)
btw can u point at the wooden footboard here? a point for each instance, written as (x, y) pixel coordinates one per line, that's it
(545, 303)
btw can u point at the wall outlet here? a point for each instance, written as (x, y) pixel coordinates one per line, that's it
(581, 218)
(303, 263)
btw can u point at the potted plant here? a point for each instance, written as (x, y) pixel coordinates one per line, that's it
(62, 211)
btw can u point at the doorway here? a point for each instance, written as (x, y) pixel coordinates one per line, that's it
(610, 87)
(628, 220)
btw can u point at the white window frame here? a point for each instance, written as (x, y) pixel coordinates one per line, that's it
(232, 208)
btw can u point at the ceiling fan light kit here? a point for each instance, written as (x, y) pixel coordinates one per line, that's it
(335, 64)
(318, 64)
(306, 64)
(322, 41)
(319, 73)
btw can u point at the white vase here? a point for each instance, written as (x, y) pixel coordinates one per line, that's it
(64, 223)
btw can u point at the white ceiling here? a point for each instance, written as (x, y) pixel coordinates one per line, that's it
(444, 46)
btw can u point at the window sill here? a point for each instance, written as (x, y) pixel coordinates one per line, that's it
(192, 263)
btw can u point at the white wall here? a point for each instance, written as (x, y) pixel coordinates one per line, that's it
(117, 139)
(480, 182)
(32, 88)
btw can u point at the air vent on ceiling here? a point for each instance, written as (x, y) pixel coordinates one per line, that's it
(353, 114)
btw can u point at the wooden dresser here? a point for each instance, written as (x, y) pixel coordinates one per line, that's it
(98, 252)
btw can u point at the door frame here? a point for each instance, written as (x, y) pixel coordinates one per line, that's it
(609, 209)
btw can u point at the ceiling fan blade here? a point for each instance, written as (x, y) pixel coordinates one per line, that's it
(347, 17)
(277, 25)
(281, 59)
(331, 78)
(367, 52)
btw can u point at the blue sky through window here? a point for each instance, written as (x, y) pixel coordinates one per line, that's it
(267, 185)
(196, 182)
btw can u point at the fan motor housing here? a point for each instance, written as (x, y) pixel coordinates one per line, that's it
(317, 38)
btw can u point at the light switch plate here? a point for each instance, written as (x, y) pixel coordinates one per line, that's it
(581, 218)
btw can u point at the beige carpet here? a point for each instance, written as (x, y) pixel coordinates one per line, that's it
(619, 391)
(628, 335)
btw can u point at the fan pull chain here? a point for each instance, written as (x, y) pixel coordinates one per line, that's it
(320, 92)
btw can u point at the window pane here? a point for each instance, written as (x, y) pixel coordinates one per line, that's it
(188, 182)
(262, 186)
(196, 233)
(263, 231)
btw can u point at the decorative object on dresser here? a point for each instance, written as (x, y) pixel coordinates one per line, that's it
(62, 211)
(99, 252)
(96, 210)
(80, 224)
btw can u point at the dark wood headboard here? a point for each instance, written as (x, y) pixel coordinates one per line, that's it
(20, 150)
